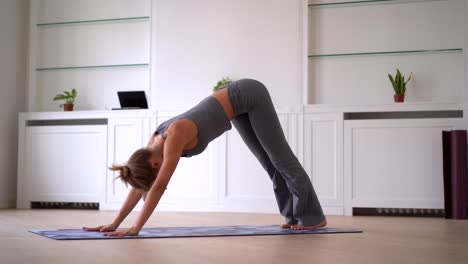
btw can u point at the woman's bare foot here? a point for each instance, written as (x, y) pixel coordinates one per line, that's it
(300, 227)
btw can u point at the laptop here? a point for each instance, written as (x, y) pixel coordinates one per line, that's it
(132, 100)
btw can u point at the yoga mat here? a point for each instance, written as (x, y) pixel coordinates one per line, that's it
(196, 231)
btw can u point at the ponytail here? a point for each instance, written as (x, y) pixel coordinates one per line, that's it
(138, 171)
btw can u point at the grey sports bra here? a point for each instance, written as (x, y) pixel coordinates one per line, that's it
(210, 119)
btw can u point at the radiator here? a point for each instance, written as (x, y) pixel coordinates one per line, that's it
(417, 212)
(64, 205)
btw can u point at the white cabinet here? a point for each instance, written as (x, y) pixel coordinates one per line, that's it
(395, 163)
(64, 156)
(387, 163)
(126, 135)
(323, 157)
(63, 164)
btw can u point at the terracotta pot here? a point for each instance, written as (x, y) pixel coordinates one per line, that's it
(68, 107)
(399, 98)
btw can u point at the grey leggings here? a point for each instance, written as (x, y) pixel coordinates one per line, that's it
(257, 123)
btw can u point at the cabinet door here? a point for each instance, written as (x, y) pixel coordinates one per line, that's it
(323, 159)
(395, 163)
(126, 135)
(65, 163)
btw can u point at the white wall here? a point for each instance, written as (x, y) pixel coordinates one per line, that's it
(193, 44)
(13, 33)
(198, 42)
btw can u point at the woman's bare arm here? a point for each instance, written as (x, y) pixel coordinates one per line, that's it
(134, 195)
(173, 147)
(132, 199)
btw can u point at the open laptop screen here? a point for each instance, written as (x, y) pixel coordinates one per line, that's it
(132, 100)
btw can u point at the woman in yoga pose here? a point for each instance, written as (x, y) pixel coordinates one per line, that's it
(247, 104)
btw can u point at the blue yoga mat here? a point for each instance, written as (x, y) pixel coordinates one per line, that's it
(196, 231)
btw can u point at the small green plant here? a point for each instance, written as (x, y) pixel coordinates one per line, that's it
(223, 81)
(399, 83)
(69, 97)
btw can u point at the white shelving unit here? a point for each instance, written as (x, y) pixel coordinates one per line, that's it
(351, 46)
(98, 48)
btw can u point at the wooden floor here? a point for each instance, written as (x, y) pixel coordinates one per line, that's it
(385, 240)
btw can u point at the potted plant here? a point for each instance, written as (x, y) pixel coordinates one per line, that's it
(223, 81)
(399, 85)
(69, 98)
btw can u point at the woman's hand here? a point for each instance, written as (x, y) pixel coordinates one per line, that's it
(132, 231)
(103, 228)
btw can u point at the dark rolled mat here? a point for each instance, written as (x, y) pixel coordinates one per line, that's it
(196, 231)
(455, 164)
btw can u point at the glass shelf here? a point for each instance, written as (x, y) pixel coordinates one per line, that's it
(92, 21)
(363, 2)
(92, 67)
(384, 53)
